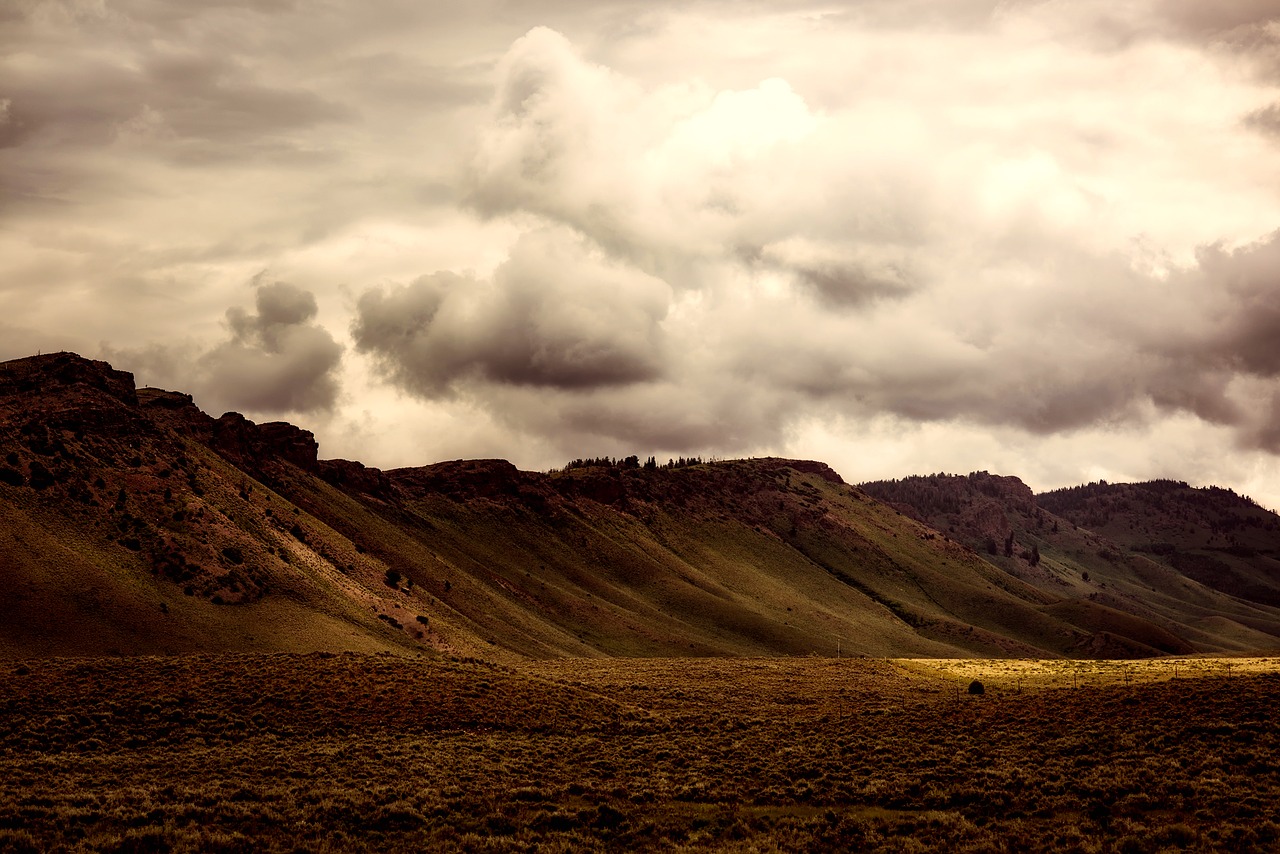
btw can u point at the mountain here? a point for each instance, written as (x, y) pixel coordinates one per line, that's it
(1221, 539)
(1199, 564)
(131, 522)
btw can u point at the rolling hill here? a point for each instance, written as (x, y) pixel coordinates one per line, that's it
(1079, 544)
(131, 522)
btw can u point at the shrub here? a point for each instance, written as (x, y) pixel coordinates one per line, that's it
(41, 477)
(19, 842)
(392, 578)
(975, 687)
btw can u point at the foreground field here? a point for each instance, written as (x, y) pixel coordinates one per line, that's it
(350, 752)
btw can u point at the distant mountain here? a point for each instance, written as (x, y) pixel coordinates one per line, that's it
(1198, 563)
(1219, 538)
(132, 522)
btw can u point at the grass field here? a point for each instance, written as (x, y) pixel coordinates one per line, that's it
(359, 752)
(1019, 673)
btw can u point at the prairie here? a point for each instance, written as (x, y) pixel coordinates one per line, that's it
(281, 752)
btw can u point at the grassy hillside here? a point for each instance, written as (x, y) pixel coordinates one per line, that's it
(135, 523)
(1221, 539)
(1107, 581)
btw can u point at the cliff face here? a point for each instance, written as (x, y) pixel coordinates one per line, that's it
(131, 521)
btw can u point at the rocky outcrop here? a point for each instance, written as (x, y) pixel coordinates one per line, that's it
(354, 477)
(284, 440)
(245, 443)
(822, 470)
(47, 395)
(461, 479)
(65, 372)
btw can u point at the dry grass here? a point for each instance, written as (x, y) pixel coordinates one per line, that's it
(350, 752)
(1017, 673)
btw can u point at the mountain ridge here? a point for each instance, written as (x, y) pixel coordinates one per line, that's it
(138, 524)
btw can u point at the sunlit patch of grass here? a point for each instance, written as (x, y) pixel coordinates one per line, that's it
(1016, 673)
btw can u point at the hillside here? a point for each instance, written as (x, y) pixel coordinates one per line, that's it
(1219, 538)
(132, 522)
(1094, 546)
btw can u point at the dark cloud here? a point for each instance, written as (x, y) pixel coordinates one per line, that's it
(1239, 29)
(552, 317)
(1243, 334)
(1212, 349)
(1204, 341)
(847, 285)
(169, 100)
(277, 360)
(1241, 20)
(1265, 435)
(218, 99)
(279, 304)
(1265, 120)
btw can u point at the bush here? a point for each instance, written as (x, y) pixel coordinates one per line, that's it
(19, 842)
(975, 687)
(41, 477)
(392, 578)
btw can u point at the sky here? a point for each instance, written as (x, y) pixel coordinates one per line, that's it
(1034, 237)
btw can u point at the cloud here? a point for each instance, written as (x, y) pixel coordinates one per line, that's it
(1265, 120)
(554, 316)
(276, 360)
(1243, 334)
(689, 228)
(182, 103)
(1230, 18)
(660, 179)
(848, 263)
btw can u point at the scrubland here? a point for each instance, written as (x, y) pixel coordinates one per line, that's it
(357, 752)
